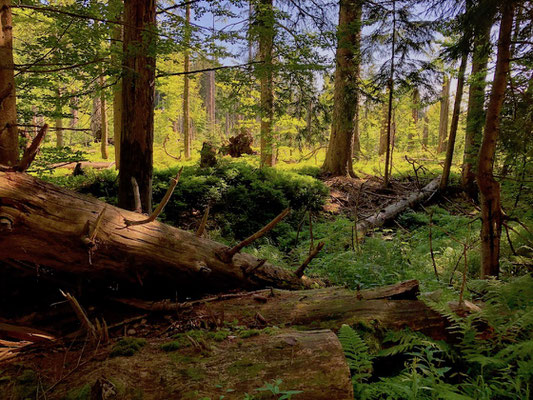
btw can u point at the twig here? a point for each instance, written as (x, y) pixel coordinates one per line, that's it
(300, 271)
(455, 269)
(136, 195)
(161, 205)
(251, 270)
(203, 222)
(227, 255)
(97, 224)
(32, 150)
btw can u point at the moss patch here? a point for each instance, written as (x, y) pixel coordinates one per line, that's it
(127, 347)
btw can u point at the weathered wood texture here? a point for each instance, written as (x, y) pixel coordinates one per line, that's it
(52, 226)
(325, 308)
(396, 208)
(311, 362)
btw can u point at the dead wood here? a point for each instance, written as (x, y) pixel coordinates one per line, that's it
(391, 211)
(50, 224)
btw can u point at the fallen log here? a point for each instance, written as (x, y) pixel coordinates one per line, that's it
(311, 364)
(85, 164)
(391, 211)
(79, 235)
(389, 307)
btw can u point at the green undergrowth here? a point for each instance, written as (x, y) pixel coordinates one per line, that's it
(127, 346)
(242, 198)
(491, 357)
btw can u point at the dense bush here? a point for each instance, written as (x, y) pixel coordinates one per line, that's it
(242, 198)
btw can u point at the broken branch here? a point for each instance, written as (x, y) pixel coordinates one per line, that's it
(161, 205)
(203, 222)
(227, 255)
(313, 254)
(31, 151)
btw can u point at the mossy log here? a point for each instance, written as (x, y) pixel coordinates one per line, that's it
(388, 307)
(311, 363)
(79, 235)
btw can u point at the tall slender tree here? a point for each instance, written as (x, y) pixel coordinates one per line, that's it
(137, 136)
(444, 113)
(339, 153)
(455, 121)
(475, 115)
(491, 212)
(264, 22)
(388, 158)
(187, 136)
(103, 116)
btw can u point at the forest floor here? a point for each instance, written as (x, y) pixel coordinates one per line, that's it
(153, 356)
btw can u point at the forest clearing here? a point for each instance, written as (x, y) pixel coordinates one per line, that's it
(266, 199)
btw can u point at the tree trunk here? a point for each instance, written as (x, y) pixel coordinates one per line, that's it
(9, 151)
(138, 83)
(54, 226)
(210, 101)
(444, 111)
(265, 26)
(59, 121)
(338, 160)
(383, 130)
(455, 122)
(491, 213)
(425, 131)
(475, 117)
(117, 36)
(103, 115)
(414, 113)
(388, 156)
(187, 137)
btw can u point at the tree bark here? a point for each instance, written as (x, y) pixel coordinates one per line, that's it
(9, 151)
(138, 83)
(475, 116)
(265, 27)
(56, 228)
(103, 115)
(187, 137)
(455, 122)
(491, 212)
(338, 160)
(444, 111)
(388, 155)
(117, 37)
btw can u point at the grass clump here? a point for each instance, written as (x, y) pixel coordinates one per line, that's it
(127, 347)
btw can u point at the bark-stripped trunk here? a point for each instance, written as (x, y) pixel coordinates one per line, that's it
(265, 26)
(455, 122)
(56, 228)
(210, 101)
(491, 213)
(414, 114)
(137, 136)
(475, 117)
(187, 137)
(103, 115)
(444, 111)
(388, 156)
(338, 160)
(9, 152)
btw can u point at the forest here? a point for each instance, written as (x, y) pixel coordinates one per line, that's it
(266, 199)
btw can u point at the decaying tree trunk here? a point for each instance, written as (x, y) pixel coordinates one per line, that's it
(396, 208)
(82, 236)
(390, 307)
